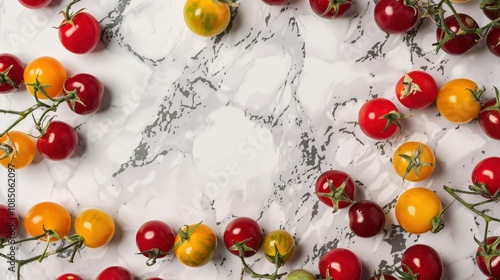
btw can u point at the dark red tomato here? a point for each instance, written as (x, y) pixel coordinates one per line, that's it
(275, 2)
(494, 262)
(422, 260)
(379, 118)
(416, 89)
(335, 188)
(340, 263)
(59, 141)
(69, 276)
(382, 277)
(458, 44)
(491, 8)
(493, 40)
(241, 229)
(115, 273)
(11, 73)
(79, 33)
(487, 172)
(154, 278)
(489, 117)
(90, 92)
(330, 9)
(394, 16)
(155, 239)
(35, 4)
(9, 222)
(366, 218)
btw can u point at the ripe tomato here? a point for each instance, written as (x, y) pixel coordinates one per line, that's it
(243, 229)
(22, 153)
(198, 243)
(89, 90)
(458, 100)
(275, 2)
(379, 118)
(11, 73)
(491, 9)
(115, 273)
(283, 242)
(69, 276)
(155, 235)
(9, 222)
(414, 161)
(382, 276)
(366, 218)
(79, 32)
(49, 73)
(336, 189)
(207, 17)
(330, 9)
(493, 40)
(395, 16)
(487, 173)
(58, 142)
(422, 260)
(48, 215)
(489, 266)
(153, 278)
(95, 226)
(35, 4)
(457, 43)
(416, 89)
(340, 263)
(415, 209)
(300, 274)
(489, 117)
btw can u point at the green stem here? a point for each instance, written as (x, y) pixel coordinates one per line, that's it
(469, 206)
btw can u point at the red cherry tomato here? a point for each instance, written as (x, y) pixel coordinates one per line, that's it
(80, 32)
(491, 9)
(115, 273)
(379, 118)
(366, 218)
(422, 260)
(275, 2)
(35, 4)
(90, 91)
(493, 40)
(11, 73)
(460, 44)
(154, 278)
(487, 173)
(340, 263)
(489, 117)
(330, 9)
(394, 16)
(330, 183)
(59, 141)
(241, 229)
(153, 235)
(416, 89)
(69, 276)
(494, 262)
(9, 222)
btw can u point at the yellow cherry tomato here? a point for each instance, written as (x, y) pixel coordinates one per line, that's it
(95, 226)
(23, 149)
(414, 161)
(458, 101)
(50, 74)
(207, 17)
(415, 209)
(48, 215)
(195, 245)
(281, 240)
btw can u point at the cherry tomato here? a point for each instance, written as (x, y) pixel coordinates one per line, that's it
(458, 100)
(395, 16)
(11, 73)
(207, 17)
(414, 161)
(79, 32)
(383, 276)
(90, 92)
(340, 263)
(153, 278)
(493, 263)
(487, 173)
(416, 89)
(493, 40)
(300, 274)
(242, 229)
(115, 273)
(458, 44)
(48, 215)
(415, 209)
(49, 72)
(275, 2)
(23, 150)
(366, 218)
(95, 226)
(379, 118)
(335, 188)
(69, 276)
(35, 4)
(489, 118)
(280, 240)
(153, 235)
(59, 141)
(330, 9)
(198, 243)
(9, 222)
(422, 260)
(491, 9)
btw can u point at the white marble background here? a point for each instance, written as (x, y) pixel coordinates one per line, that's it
(241, 125)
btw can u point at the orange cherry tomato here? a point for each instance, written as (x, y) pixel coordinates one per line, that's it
(49, 72)
(281, 240)
(458, 101)
(414, 161)
(48, 215)
(195, 245)
(415, 209)
(95, 226)
(207, 17)
(23, 150)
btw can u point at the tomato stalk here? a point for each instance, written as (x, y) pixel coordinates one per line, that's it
(336, 195)
(278, 260)
(334, 4)
(68, 15)
(495, 107)
(406, 275)
(4, 78)
(153, 255)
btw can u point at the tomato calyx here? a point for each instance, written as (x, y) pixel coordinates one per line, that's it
(68, 15)
(153, 255)
(335, 5)
(489, 251)
(438, 221)
(73, 98)
(4, 78)
(495, 107)
(336, 195)
(481, 189)
(242, 247)
(409, 275)
(185, 234)
(409, 87)
(414, 162)
(393, 117)
(489, 5)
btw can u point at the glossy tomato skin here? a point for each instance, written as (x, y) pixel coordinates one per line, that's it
(411, 149)
(35, 4)
(393, 16)
(275, 2)
(59, 141)
(115, 273)
(300, 274)
(280, 239)
(320, 8)
(50, 215)
(199, 248)
(90, 91)
(493, 40)
(416, 89)
(155, 234)
(366, 218)
(69, 276)
(95, 226)
(341, 264)
(15, 73)
(423, 260)
(9, 222)
(487, 172)
(241, 229)
(49, 72)
(80, 34)
(456, 103)
(494, 264)
(491, 10)
(372, 121)
(153, 278)
(459, 44)
(206, 18)
(415, 209)
(335, 178)
(489, 121)
(24, 150)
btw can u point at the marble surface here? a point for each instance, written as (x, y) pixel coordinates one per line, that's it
(242, 124)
